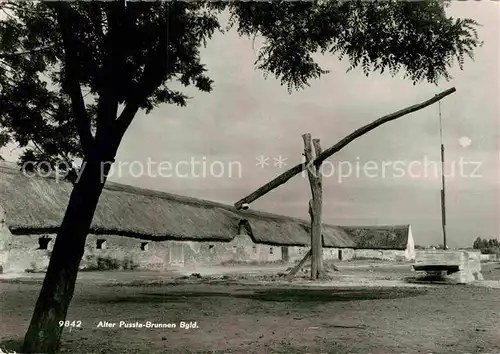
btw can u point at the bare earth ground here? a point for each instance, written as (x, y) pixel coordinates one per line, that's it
(364, 309)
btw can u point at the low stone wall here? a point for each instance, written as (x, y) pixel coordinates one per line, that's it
(489, 257)
(4, 246)
(341, 254)
(469, 262)
(240, 250)
(21, 253)
(472, 271)
(347, 254)
(116, 252)
(125, 253)
(387, 255)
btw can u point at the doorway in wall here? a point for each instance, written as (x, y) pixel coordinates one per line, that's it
(284, 254)
(176, 255)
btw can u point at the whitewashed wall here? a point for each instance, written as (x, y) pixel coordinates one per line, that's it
(410, 246)
(297, 253)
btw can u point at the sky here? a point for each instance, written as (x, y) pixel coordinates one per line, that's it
(376, 180)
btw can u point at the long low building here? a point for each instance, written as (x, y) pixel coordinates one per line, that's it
(135, 227)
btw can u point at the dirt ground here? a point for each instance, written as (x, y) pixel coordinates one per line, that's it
(366, 308)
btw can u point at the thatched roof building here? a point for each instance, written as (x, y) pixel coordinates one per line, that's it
(36, 205)
(393, 237)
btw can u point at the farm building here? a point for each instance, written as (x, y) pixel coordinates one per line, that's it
(142, 228)
(389, 242)
(386, 242)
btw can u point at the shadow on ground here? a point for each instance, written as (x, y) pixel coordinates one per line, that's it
(169, 297)
(324, 295)
(22, 281)
(295, 295)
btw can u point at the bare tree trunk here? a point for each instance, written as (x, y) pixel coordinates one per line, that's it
(44, 332)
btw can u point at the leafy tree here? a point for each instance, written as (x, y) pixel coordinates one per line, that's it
(492, 243)
(491, 246)
(74, 74)
(478, 243)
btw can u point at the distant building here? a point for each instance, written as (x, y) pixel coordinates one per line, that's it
(384, 242)
(156, 230)
(390, 242)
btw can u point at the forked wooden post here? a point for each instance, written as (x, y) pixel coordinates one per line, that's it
(319, 211)
(314, 164)
(315, 205)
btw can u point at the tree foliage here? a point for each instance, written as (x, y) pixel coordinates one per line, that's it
(72, 72)
(491, 246)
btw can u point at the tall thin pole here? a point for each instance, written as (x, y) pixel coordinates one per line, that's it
(443, 203)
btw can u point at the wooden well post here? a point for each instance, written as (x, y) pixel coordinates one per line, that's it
(313, 165)
(315, 204)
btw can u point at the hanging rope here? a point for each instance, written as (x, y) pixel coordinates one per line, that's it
(440, 124)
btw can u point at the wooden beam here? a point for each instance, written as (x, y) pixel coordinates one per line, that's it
(295, 269)
(314, 208)
(283, 178)
(317, 147)
(318, 222)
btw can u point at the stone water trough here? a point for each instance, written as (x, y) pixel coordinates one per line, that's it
(462, 266)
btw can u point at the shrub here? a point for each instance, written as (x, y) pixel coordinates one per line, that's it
(100, 263)
(129, 264)
(363, 258)
(240, 262)
(32, 268)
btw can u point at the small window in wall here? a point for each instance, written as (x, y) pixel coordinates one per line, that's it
(144, 246)
(43, 242)
(211, 248)
(300, 250)
(271, 250)
(100, 244)
(254, 249)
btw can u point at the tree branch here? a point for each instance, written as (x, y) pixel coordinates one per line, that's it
(283, 178)
(125, 118)
(108, 99)
(25, 52)
(71, 79)
(158, 65)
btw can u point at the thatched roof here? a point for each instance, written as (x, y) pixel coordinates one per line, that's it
(379, 237)
(36, 205)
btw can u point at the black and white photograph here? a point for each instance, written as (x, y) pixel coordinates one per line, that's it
(234, 177)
